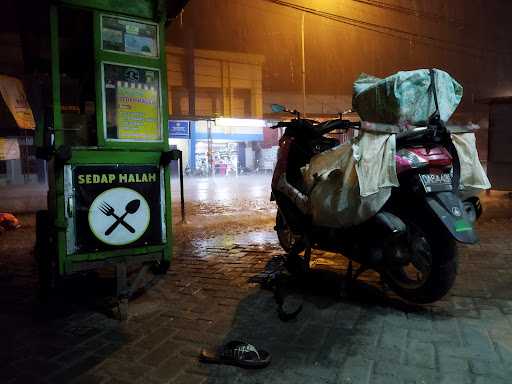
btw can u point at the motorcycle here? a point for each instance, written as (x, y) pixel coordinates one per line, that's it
(412, 241)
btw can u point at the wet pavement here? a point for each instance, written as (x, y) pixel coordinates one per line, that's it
(215, 291)
(224, 195)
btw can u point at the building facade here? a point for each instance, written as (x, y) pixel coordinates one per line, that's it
(216, 109)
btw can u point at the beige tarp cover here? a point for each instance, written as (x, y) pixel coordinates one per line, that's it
(351, 182)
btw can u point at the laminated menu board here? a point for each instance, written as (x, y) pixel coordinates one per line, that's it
(132, 99)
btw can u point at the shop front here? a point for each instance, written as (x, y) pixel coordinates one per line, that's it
(179, 138)
(220, 146)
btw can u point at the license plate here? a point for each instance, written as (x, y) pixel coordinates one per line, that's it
(436, 182)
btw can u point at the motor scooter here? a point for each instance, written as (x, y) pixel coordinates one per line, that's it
(412, 241)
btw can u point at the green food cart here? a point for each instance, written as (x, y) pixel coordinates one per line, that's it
(106, 141)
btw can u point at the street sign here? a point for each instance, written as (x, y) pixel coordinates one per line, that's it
(179, 129)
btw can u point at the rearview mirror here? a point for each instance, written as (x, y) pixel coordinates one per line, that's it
(278, 108)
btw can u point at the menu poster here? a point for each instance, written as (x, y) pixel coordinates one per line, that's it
(132, 97)
(128, 36)
(137, 112)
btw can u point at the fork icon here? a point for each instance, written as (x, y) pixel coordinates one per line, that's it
(108, 210)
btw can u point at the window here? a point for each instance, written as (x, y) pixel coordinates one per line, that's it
(77, 86)
(208, 101)
(241, 103)
(179, 101)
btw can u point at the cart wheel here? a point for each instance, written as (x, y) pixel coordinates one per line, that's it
(46, 262)
(161, 267)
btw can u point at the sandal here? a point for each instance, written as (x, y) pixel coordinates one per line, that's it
(237, 353)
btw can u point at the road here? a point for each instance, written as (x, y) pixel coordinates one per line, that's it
(215, 291)
(224, 195)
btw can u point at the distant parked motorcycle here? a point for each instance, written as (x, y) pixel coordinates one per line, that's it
(411, 241)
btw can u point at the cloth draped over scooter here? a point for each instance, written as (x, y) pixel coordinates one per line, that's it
(473, 178)
(350, 183)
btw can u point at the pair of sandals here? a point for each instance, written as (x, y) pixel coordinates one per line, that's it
(236, 353)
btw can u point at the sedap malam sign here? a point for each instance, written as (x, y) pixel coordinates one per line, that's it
(117, 205)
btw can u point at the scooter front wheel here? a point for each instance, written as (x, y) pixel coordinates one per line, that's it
(292, 243)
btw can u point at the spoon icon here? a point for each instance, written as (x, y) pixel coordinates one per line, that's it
(130, 208)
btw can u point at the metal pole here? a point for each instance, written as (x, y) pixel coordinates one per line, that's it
(303, 66)
(182, 197)
(189, 45)
(211, 170)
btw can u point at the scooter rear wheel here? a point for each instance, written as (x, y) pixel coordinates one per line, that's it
(433, 267)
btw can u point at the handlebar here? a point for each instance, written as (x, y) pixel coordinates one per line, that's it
(417, 132)
(331, 125)
(318, 129)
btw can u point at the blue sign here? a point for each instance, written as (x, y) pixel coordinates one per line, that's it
(179, 129)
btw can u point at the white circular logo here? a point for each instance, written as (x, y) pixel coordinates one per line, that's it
(131, 74)
(456, 211)
(119, 216)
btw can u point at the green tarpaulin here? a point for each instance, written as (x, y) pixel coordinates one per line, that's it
(405, 97)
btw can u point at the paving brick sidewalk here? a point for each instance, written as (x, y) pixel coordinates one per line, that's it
(212, 294)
